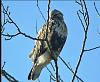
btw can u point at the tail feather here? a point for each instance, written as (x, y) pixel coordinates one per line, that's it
(34, 73)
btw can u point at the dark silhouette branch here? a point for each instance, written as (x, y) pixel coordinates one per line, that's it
(70, 69)
(57, 80)
(85, 25)
(3, 64)
(78, 2)
(56, 66)
(40, 11)
(52, 66)
(36, 27)
(86, 21)
(55, 61)
(20, 33)
(50, 72)
(51, 78)
(81, 21)
(10, 20)
(8, 76)
(10, 36)
(96, 9)
(92, 48)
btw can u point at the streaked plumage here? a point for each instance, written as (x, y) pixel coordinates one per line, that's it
(57, 34)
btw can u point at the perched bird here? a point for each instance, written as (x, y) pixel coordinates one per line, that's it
(56, 36)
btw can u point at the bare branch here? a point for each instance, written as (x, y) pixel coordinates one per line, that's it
(81, 12)
(8, 76)
(18, 29)
(48, 19)
(40, 11)
(52, 66)
(96, 9)
(50, 72)
(81, 21)
(57, 80)
(36, 27)
(77, 2)
(55, 61)
(51, 78)
(3, 64)
(92, 48)
(85, 14)
(70, 68)
(20, 33)
(10, 36)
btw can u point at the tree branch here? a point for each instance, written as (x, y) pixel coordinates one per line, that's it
(10, 36)
(8, 76)
(92, 48)
(57, 80)
(81, 20)
(96, 9)
(70, 69)
(18, 29)
(41, 12)
(85, 14)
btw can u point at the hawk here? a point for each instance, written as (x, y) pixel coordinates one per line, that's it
(56, 36)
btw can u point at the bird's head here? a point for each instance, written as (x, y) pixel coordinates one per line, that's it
(56, 14)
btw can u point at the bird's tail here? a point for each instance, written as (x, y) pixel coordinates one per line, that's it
(35, 72)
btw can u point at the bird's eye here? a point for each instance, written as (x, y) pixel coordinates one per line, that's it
(55, 15)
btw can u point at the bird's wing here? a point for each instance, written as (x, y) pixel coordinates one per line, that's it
(40, 46)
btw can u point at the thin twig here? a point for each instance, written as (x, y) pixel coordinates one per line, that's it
(77, 2)
(70, 69)
(24, 34)
(51, 78)
(81, 21)
(92, 48)
(52, 66)
(55, 61)
(36, 27)
(48, 19)
(96, 9)
(57, 80)
(41, 12)
(8, 76)
(3, 65)
(50, 72)
(20, 33)
(18, 29)
(85, 37)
